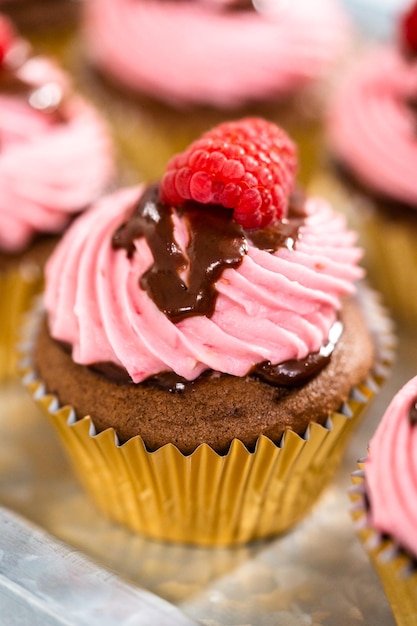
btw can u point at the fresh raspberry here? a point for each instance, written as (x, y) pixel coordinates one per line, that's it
(6, 37)
(409, 30)
(248, 166)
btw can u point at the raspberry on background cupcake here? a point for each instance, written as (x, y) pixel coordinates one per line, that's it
(205, 352)
(385, 499)
(372, 140)
(55, 158)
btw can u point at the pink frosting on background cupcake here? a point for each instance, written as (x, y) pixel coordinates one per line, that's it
(372, 128)
(391, 471)
(200, 52)
(56, 155)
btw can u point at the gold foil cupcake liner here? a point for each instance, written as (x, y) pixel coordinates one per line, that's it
(205, 498)
(18, 286)
(395, 569)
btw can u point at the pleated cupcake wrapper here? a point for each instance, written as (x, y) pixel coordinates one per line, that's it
(393, 567)
(18, 286)
(205, 498)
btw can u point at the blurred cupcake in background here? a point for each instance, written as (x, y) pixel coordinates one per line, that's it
(223, 53)
(208, 60)
(55, 158)
(385, 503)
(372, 139)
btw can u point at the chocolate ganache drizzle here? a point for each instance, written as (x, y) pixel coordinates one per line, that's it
(216, 242)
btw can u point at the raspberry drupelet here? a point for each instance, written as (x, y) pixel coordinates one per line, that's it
(247, 165)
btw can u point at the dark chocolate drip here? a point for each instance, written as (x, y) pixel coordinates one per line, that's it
(292, 373)
(284, 233)
(169, 381)
(412, 415)
(216, 243)
(296, 372)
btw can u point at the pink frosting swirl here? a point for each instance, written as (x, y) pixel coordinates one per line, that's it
(391, 471)
(273, 307)
(372, 130)
(193, 52)
(52, 164)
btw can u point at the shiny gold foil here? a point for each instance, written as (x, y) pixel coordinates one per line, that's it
(17, 288)
(393, 567)
(203, 498)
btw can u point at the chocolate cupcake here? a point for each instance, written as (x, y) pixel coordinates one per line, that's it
(205, 348)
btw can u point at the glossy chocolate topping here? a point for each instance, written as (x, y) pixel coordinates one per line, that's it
(299, 371)
(216, 243)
